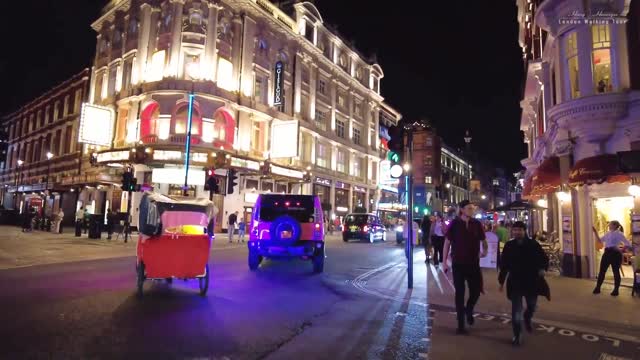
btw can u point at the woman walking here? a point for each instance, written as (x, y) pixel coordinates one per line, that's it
(612, 255)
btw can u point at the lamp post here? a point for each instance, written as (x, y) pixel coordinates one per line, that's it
(19, 174)
(46, 187)
(193, 72)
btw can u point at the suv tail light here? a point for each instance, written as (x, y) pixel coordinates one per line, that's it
(317, 226)
(365, 228)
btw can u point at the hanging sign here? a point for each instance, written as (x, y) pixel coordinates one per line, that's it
(277, 88)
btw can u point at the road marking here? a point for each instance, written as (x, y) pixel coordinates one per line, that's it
(605, 356)
(423, 356)
(434, 271)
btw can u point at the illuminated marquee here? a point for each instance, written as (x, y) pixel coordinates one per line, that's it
(277, 87)
(114, 156)
(96, 125)
(167, 155)
(385, 174)
(285, 139)
(247, 164)
(286, 172)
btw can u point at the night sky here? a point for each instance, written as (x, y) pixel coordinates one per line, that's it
(455, 63)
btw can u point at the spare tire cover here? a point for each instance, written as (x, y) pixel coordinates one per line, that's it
(285, 223)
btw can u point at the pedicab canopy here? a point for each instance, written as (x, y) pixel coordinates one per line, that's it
(174, 215)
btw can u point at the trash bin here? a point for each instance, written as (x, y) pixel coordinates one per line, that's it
(95, 226)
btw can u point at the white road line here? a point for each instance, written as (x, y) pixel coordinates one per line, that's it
(435, 271)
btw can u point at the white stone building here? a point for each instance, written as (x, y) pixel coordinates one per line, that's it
(152, 54)
(581, 106)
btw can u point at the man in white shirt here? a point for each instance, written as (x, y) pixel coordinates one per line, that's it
(612, 255)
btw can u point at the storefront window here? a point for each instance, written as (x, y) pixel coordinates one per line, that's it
(323, 192)
(601, 58)
(267, 186)
(342, 161)
(182, 119)
(342, 198)
(251, 184)
(571, 51)
(359, 200)
(322, 156)
(176, 190)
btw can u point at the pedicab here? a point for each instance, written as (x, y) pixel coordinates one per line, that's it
(175, 239)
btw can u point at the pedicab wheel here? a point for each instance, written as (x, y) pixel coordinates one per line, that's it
(203, 282)
(141, 277)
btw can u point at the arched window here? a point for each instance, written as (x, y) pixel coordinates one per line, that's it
(195, 18)
(149, 120)
(180, 121)
(224, 126)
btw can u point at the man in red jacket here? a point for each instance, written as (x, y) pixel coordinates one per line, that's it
(463, 238)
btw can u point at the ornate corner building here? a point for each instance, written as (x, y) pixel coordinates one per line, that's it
(580, 106)
(277, 97)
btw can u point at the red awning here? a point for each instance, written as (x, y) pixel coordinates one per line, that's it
(547, 177)
(596, 170)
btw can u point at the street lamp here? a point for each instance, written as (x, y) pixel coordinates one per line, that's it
(46, 186)
(20, 162)
(49, 156)
(484, 197)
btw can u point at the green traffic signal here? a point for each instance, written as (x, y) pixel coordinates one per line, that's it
(393, 156)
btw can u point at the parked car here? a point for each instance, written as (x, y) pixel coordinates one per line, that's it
(285, 226)
(363, 227)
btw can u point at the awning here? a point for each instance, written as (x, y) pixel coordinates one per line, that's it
(596, 170)
(547, 177)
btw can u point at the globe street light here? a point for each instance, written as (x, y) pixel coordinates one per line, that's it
(20, 162)
(49, 156)
(484, 197)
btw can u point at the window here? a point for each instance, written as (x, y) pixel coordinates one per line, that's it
(166, 22)
(342, 100)
(322, 156)
(32, 123)
(56, 146)
(601, 58)
(340, 128)
(127, 72)
(225, 74)
(65, 108)
(97, 89)
(78, 101)
(428, 180)
(39, 119)
(260, 89)
(155, 72)
(256, 138)
(428, 160)
(571, 50)
(357, 108)
(207, 131)
(322, 87)
(374, 172)
(69, 142)
(342, 161)
(429, 141)
(113, 75)
(321, 119)
(56, 111)
(357, 167)
(356, 136)
(195, 18)
(133, 27)
(496, 182)
(359, 73)
(305, 75)
(343, 61)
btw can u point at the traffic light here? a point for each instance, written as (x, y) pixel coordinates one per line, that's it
(396, 152)
(212, 182)
(129, 182)
(232, 181)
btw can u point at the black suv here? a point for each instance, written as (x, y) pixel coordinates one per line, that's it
(363, 227)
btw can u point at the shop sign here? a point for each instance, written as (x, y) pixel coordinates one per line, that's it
(286, 172)
(247, 164)
(342, 209)
(323, 181)
(359, 189)
(277, 86)
(341, 185)
(251, 198)
(385, 174)
(287, 134)
(389, 188)
(167, 155)
(113, 156)
(391, 206)
(96, 125)
(199, 157)
(176, 176)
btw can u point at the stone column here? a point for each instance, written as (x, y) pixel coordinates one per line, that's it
(351, 198)
(333, 84)
(236, 49)
(619, 57)
(332, 196)
(547, 91)
(376, 124)
(143, 41)
(366, 200)
(246, 70)
(297, 86)
(584, 61)
(313, 78)
(209, 63)
(350, 101)
(176, 38)
(314, 144)
(583, 234)
(154, 17)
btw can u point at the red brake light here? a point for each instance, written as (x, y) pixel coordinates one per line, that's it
(317, 226)
(365, 228)
(286, 204)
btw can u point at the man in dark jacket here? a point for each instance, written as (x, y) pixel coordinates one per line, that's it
(525, 262)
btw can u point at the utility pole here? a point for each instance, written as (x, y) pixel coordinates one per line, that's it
(188, 145)
(409, 186)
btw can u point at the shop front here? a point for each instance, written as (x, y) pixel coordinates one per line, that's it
(359, 200)
(342, 200)
(322, 189)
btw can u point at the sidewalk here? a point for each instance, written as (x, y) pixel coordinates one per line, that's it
(574, 319)
(18, 249)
